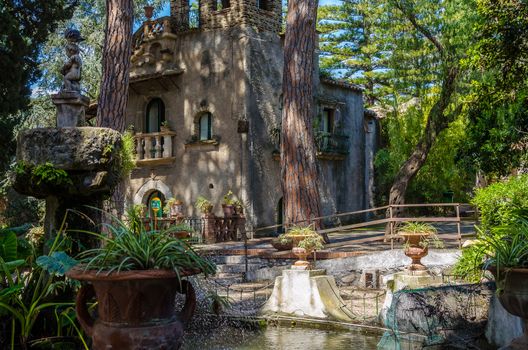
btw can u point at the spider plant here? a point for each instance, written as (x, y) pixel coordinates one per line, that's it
(126, 248)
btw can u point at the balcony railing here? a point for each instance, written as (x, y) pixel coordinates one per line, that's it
(154, 147)
(153, 28)
(331, 143)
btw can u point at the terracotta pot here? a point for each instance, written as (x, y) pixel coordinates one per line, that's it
(414, 250)
(149, 11)
(229, 210)
(281, 246)
(136, 309)
(181, 234)
(514, 298)
(302, 255)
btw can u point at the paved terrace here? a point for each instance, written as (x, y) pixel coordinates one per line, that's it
(342, 243)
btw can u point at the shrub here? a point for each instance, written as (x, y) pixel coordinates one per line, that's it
(498, 202)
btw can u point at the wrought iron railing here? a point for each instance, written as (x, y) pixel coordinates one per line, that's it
(331, 143)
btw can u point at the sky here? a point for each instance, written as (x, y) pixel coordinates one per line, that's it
(166, 8)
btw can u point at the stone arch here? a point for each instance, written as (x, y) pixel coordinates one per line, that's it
(150, 186)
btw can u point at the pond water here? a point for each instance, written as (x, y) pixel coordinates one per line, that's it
(286, 338)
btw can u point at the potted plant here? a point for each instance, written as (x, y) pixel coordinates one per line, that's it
(239, 206)
(418, 236)
(228, 204)
(503, 250)
(164, 126)
(203, 205)
(180, 231)
(173, 208)
(304, 241)
(135, 276)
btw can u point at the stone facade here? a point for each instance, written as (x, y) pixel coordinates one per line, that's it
(230, 68)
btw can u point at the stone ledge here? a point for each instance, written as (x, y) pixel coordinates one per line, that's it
(155, 161)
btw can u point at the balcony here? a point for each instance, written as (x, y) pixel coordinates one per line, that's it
(154, 148)
(331, 146)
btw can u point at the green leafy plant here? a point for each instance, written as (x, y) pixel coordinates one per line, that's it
(312, 242)
(47, 173)
(218, 302)
(28, 287)
(203, 205)
(427, 233)
(180, 228)
(124, 249)
(127, 153)
(165, 124)
(311, 239)
(498, 202)
(168, 204)
(500, 247)
(228, 198)
(134, 216)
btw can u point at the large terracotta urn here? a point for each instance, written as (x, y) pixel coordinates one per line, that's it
(136, 309)
(414, 250)
(512, 284)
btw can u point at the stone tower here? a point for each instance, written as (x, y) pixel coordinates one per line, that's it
(262, 15)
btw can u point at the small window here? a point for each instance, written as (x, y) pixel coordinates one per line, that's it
(221, 4)
(205, 127)
(264, 4)
(327, 120)
(155, 115)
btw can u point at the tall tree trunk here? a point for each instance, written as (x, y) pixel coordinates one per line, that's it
(113, 98)
(299, 173)
(437, 121)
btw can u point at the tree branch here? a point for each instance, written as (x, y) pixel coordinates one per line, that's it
(411, 16)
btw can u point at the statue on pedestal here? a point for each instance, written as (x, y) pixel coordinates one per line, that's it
(70, 103)
(72, 68)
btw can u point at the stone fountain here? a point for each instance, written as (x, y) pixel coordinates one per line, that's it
(72, 166)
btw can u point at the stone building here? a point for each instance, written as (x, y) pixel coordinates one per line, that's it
(212, 74)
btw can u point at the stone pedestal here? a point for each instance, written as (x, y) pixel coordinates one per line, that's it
(70, 108)
(413, 280)
(306, 293)
(83, 166)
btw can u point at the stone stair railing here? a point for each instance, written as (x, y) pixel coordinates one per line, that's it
(154, 146)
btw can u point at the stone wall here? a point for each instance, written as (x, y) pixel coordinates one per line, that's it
(235, 74)
(239, 13)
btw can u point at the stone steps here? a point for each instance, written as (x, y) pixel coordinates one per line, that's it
(237, 268)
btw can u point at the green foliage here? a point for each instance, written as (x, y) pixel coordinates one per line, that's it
(417, 228)
(28, 292)
(134, 216)
(439, 174)
(497, 134)
(127, 153)
(203, 205)
(125, 249)
(498, 202)
(25, 26)
(180, 228)
(228, 198)
(503, 246)
(57, 263)
(8, 245)
(48, 174)
(311, 241)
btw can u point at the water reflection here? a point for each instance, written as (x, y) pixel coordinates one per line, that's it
(278, 338)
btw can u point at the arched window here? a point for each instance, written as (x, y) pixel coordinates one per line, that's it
(155, 115)
(205, 126)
